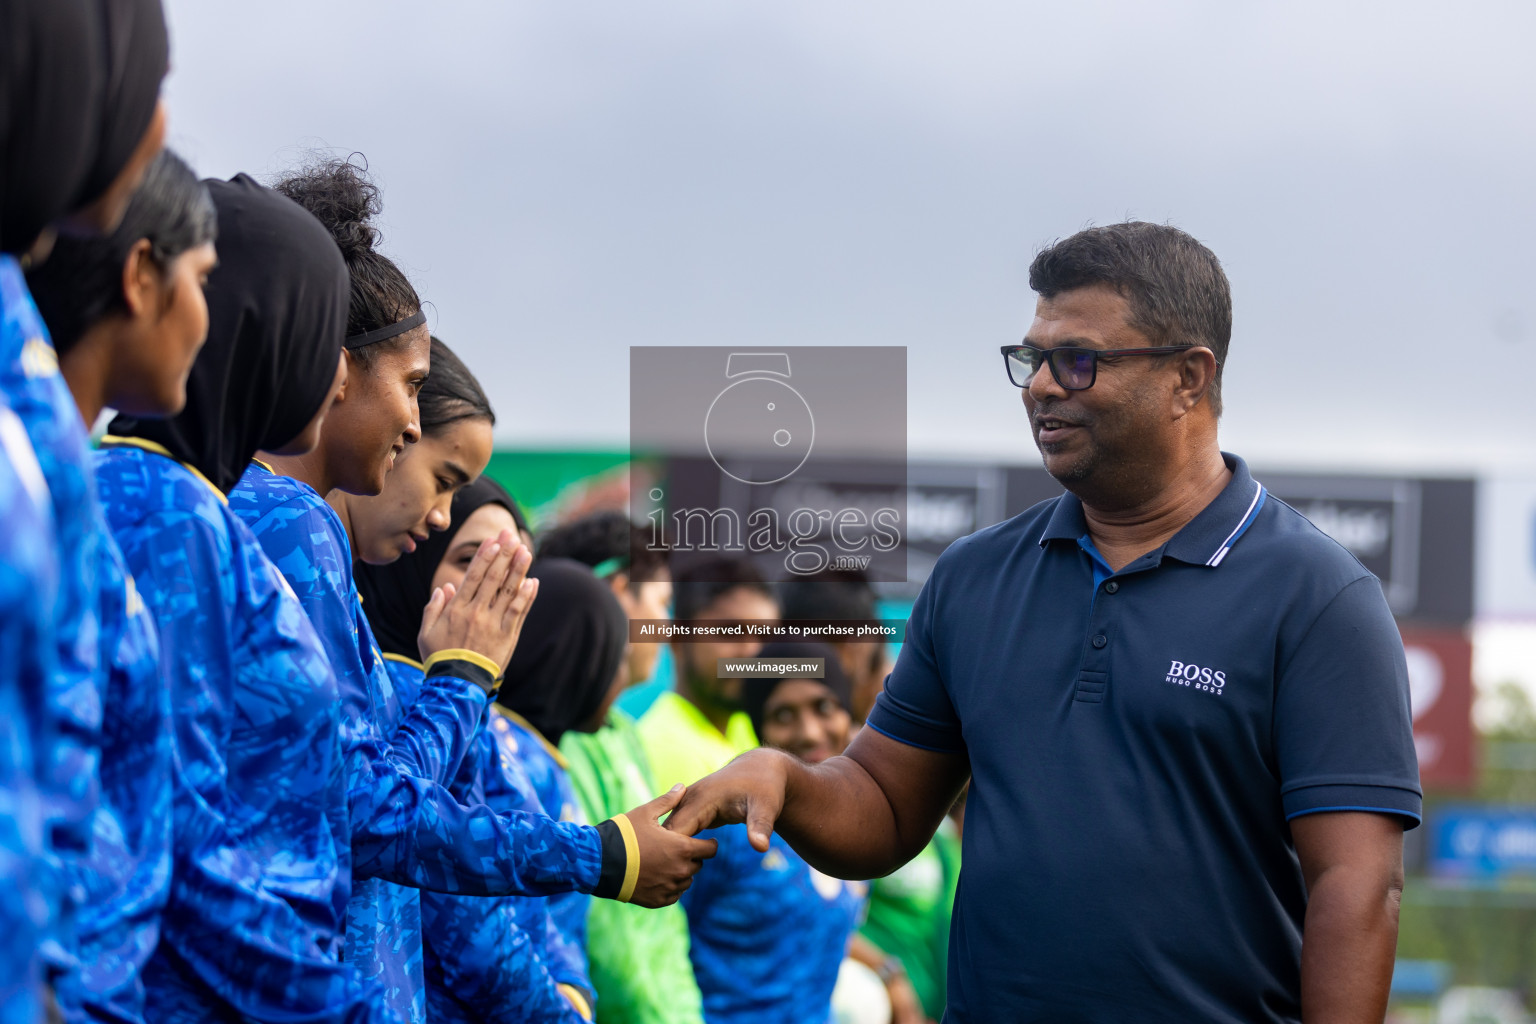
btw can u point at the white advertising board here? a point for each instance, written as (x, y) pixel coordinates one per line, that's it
(1506, 548)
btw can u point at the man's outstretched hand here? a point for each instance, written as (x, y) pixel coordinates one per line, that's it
(668, 861)
(860, 815)
(750, 789)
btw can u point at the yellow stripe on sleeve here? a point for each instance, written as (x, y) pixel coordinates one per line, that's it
(460, 654)
(576, 999)
(631, 858)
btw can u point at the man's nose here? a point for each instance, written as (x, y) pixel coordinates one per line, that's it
(1043, 386)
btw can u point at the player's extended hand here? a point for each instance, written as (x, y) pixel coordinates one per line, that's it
(750, 789)
(485, 613)
(668, 861)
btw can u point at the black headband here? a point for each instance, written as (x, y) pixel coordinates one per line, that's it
(411, 322)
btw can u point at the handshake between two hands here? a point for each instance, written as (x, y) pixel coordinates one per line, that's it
(750, 789)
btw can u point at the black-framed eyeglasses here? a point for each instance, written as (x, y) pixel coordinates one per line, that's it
(1075, 369)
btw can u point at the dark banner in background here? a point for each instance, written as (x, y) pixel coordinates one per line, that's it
(1415, 534)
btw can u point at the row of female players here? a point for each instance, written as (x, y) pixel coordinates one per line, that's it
(218, 799)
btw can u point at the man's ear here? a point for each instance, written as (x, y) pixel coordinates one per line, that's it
(141, 279)
(1197, 372)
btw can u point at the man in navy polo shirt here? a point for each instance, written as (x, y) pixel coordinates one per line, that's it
(1183, 709)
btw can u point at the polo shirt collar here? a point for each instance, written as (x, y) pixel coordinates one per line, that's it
(1067, 521)
(1204, 540)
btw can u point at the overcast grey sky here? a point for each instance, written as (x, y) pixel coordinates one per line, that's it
(564, 180)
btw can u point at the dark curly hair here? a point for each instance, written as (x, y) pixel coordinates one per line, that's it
(81, 282)
(343, 198)
(601, 536)
(451, 393)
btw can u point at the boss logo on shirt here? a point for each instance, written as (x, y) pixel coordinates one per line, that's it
(1209, 680)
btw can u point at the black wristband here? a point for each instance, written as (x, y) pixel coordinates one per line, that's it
(461, 668)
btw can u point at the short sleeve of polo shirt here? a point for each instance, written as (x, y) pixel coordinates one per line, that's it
(915, 706)
(1343, 728)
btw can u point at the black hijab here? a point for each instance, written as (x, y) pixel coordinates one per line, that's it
(138, 54)
(756, 691)
(570, 649)
(394, 595)
(79, 80)
(277, 314)
(51, 75)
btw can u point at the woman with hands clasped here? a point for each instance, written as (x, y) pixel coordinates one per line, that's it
(506, 960)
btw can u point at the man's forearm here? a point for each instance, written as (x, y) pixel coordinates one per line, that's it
(838, 819)
(1348, 947)
(860, 815)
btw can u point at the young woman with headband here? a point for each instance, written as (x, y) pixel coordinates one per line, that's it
(455, 447)
(408, 832)
(282, 499)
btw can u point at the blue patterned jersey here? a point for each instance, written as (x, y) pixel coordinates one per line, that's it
(107, 768)
(543, 766)
(28, 580)
(488, 959)
(67, 758)
(261, 873)
(125, 878)
(305, 539)
(768, 931)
